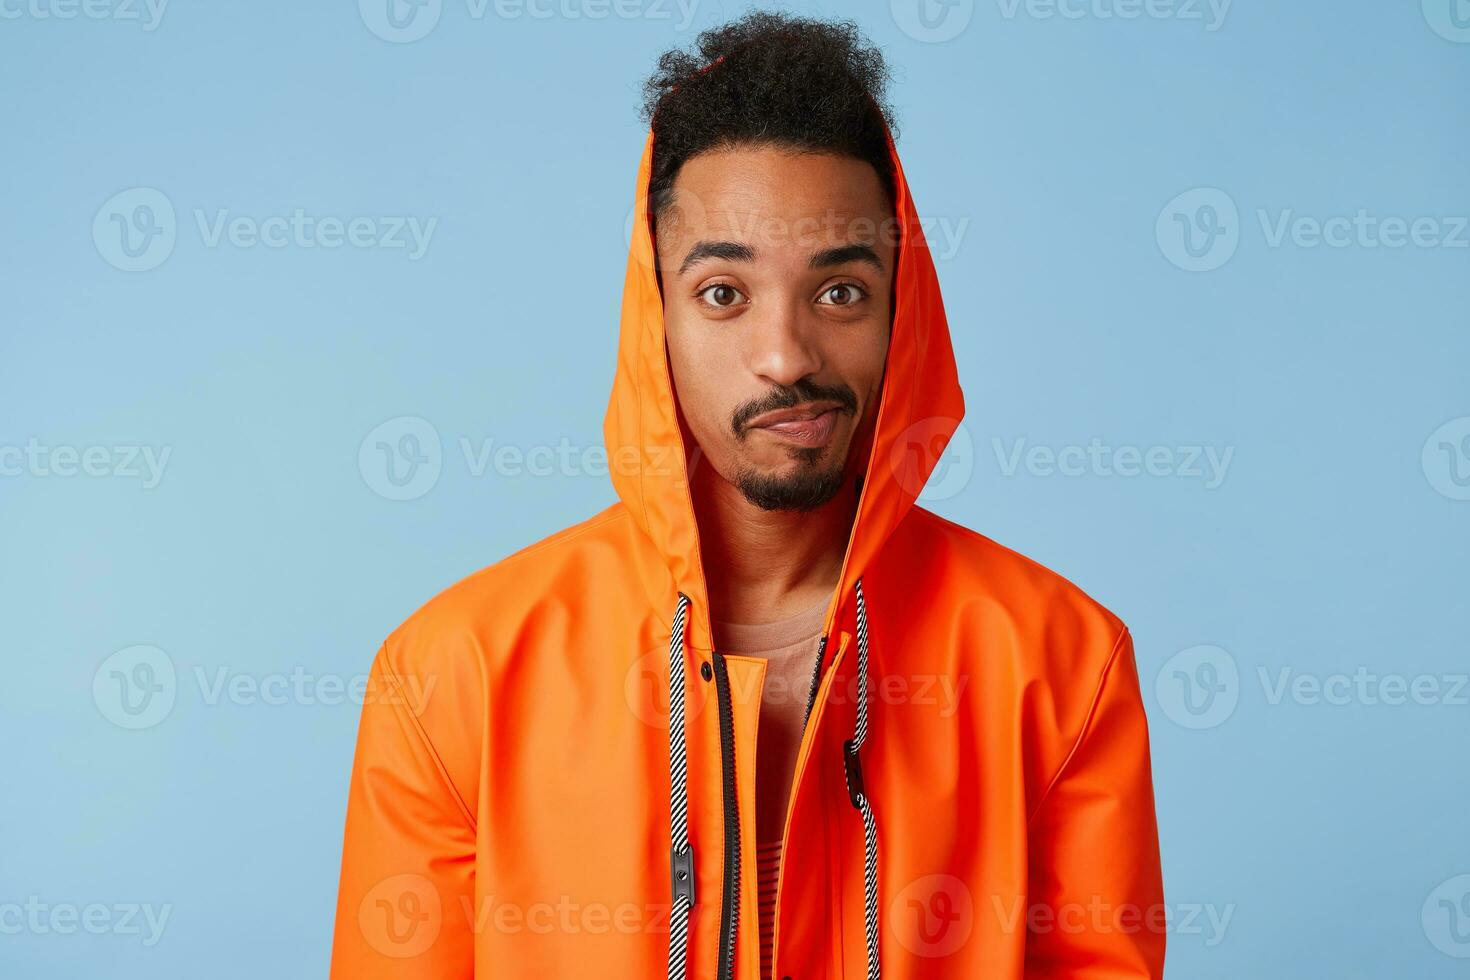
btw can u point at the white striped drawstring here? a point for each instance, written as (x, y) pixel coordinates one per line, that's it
(855, 790)
(681, 857)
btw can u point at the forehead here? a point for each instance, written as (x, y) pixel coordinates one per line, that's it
(777, 198)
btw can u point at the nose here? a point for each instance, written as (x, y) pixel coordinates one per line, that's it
(783, 349)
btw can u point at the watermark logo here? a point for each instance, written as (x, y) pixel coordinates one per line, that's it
(675, 209)
(646, 691)
(135, 688)
(402, 458)
(1199, 687)
(401, 916)
(1446, 917)
(1450, 19)
(1199, 230)
(400, 21)
(954, 469)
(932, 21)
(930, 462)
(135, 230)
(933, 916)
(1446, 459)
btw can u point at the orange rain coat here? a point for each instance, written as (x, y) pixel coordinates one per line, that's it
(513, 795)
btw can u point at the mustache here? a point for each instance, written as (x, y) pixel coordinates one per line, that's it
(789, 396)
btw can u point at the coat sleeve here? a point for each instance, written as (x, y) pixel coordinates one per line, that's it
(408, 853)
(1097, 896)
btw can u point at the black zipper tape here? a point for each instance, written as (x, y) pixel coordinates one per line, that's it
(730, 907)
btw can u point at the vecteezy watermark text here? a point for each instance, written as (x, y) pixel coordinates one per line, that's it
(41, 918)
(1209, 464)
(1201, 686)
(149, 13)
(137, 687)
(406, 21)
(1201, 229)
(122, 462)
(1210, 13)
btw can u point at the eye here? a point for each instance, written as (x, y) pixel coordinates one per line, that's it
(842, 294)
(721, 294)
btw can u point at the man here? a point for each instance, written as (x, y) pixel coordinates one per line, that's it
(764, 716)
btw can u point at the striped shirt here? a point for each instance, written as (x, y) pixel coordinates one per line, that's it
(767, 870)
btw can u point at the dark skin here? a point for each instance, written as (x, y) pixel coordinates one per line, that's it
(777, 274)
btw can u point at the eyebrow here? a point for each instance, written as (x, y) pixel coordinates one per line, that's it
(842, 254)
(738, 252)
(734, 251)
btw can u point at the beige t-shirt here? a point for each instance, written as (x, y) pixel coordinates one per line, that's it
(789, 647)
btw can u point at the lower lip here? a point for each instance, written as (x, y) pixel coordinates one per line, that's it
(805, 432)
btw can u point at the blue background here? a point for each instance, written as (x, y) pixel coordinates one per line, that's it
(1332, 543)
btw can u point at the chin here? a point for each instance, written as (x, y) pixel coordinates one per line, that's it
(802, 488)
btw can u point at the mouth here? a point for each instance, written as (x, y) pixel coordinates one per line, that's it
(808, 425)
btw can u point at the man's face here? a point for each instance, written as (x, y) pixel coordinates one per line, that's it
(777, 277)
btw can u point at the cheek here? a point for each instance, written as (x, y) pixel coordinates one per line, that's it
(859, 359)
(699, 379)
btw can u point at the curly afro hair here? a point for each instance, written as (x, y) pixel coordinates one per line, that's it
(769, 79)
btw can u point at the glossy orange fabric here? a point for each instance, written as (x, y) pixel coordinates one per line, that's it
(508, 815)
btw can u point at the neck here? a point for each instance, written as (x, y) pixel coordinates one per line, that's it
(762, 565)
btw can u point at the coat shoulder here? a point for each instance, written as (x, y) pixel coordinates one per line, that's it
(1042, 648)
(444, 662)
(1046, 613)
(495, 599)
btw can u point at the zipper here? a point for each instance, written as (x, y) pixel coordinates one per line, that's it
(730, 903)
(811, 694)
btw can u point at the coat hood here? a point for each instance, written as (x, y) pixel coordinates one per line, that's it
(920, 407)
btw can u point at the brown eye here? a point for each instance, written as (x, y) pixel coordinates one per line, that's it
(721, 294)
(842, 294)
